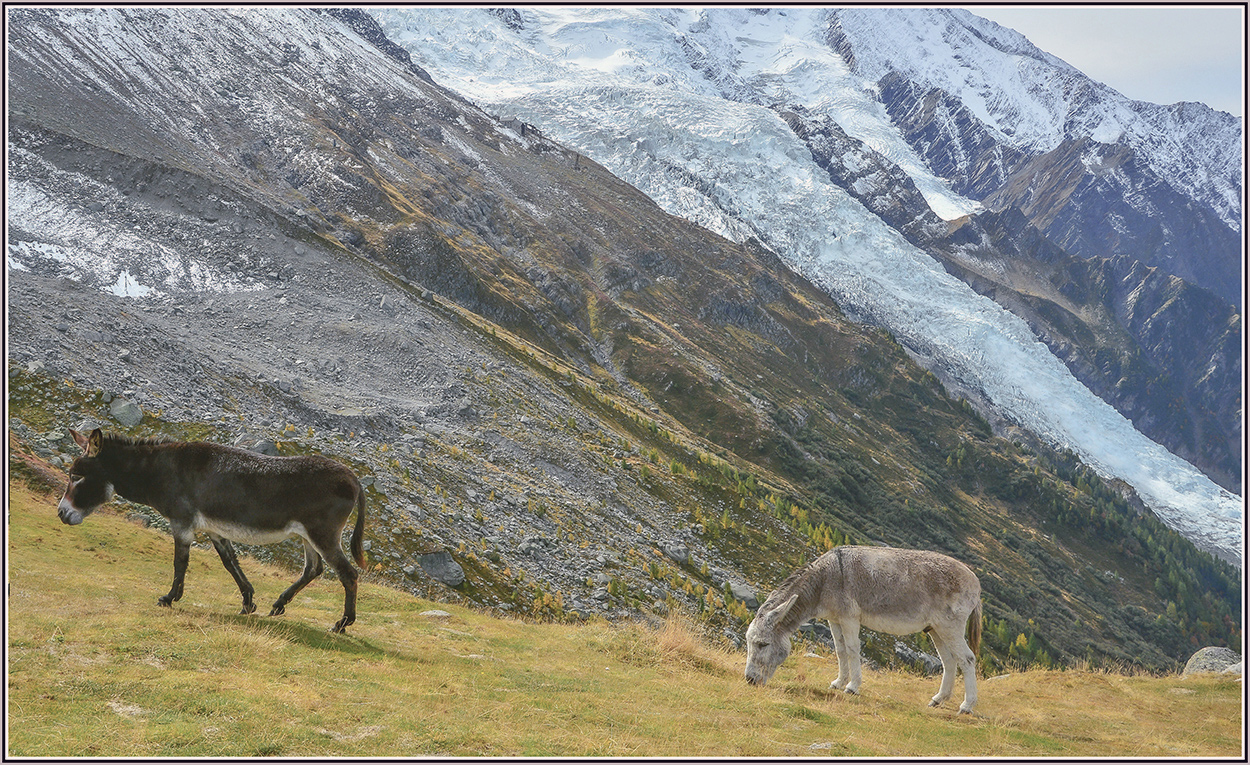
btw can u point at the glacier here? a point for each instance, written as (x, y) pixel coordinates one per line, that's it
(679, 103)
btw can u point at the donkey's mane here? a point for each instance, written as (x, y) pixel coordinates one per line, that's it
(804, 582)
(118, 438)
(786, 588)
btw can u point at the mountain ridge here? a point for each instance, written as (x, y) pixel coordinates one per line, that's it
(699, 155)
(600, 409)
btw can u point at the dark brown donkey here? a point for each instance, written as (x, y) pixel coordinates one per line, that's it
(230, 494)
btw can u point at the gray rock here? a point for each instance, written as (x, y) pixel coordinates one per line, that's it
(1235, 669)
(265, 446)
(816, 630)
(931, 664)
(1210, 659)
(85, 426)
(442, 567)
(745, 594)
(535, 544)
(677, 551)
(127, 413)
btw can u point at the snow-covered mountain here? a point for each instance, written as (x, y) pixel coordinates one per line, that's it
(684, 104)
(1033, 101)
(1012, 126)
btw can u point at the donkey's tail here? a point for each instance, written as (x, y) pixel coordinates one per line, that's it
(974, 628)
(358, 533)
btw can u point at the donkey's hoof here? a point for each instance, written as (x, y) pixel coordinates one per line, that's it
(248, 608)
(342, 624)
(277, 610)
(165, 601)
(933, 702)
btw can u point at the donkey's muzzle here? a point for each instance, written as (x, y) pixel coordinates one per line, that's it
(69, 514)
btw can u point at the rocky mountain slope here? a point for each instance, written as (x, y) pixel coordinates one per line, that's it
(726, 118)
(266, 227)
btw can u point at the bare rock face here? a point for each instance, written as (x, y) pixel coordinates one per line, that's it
(1211, 659)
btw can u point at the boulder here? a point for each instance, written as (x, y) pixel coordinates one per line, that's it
(127, 413)
(265, 446)
(442, 567)
(931, 664)
(1211, 659)
(816, 630)
(676, 551)
(745, 594)
(535, 545)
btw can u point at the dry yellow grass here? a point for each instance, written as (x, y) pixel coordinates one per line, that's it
(96, 668)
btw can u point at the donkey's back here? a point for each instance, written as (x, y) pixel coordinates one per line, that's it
(228, 483)
(899, 590)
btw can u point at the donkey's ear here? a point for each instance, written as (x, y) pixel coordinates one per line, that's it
(94, 441)
(79, 439)
(777, 614)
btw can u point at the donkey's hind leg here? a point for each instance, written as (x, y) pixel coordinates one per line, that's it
(231, 562)
(312, 570)
(968, 666)
(348, 576)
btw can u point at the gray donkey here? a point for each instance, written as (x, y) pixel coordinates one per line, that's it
(884, 589)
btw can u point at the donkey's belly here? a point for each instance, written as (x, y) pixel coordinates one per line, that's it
(237, 532)
(893, 624)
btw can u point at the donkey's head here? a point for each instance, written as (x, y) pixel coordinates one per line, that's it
(89, 486)
(767, 645)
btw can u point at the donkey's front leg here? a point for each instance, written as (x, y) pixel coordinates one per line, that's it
(182, 555)
(844, 662)
(850, 643)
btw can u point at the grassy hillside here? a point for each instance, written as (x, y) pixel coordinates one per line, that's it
(96, 668)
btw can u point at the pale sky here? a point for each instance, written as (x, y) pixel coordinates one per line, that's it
(1160, 53)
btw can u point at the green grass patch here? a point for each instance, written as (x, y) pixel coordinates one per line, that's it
(96, 668)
